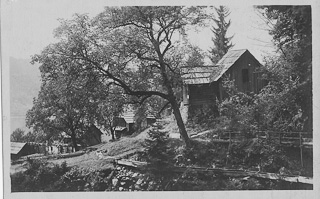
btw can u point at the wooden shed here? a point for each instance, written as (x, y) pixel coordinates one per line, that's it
(203, 84)
(125, 123)
(19, 149)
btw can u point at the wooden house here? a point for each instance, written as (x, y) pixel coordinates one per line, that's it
(19, 149)
(203, 85)
(125, 123)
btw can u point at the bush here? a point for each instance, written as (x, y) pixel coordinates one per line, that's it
(204, 154)
(157, 151)
(40, 176)
(262, 153)
(80, 179)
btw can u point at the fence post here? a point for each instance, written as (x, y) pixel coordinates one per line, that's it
(280, 137)
(228, 153)
(301, 151)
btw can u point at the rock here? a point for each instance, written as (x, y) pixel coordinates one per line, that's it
(122, 183)
(121, 188)
(118, 168)
(137, 187)
(135, 175)
(115, 182)
(139, 182)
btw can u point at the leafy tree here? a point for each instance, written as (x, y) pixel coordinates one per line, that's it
(221, 42)
(130, 47)
(17, 135)
(110, 108)
(67, 101)
(196, 57)
(289, 73)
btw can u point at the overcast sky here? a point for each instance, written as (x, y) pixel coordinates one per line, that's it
(27, 26)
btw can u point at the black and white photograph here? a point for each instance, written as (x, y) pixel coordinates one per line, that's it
(178, 100)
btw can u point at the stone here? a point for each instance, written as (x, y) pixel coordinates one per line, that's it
(139, 182)
(135, 175)
(115, 182)
(121, 188)
(137, 187)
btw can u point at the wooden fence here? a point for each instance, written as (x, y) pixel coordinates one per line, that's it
(303, 140)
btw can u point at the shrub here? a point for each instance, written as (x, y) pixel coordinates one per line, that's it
(80, 179)
(263, 153)
(157, 151)
(40, 176)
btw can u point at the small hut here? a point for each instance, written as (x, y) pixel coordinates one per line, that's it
(203, 85)
(19, 149)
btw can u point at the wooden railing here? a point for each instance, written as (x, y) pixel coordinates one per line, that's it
(303, 139)
(298, 139)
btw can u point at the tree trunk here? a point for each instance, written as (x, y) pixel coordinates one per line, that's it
(74, 141)
(112, 133)
(181, 126)
(176, 111)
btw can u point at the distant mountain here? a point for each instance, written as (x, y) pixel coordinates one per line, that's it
(25, 84)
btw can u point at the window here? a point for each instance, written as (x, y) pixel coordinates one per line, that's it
(245, 75)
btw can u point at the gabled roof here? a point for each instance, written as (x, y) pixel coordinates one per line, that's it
(119, 128)
(197, 75)
(128, 116)
(226, 62)
(208, 74)
(16, 147)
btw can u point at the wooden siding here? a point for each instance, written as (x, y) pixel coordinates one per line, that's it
(203, 93)
(238, 65)
(245, 62)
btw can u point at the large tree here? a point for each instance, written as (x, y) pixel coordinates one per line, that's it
(221, 42)
(17, 135)
(131, 47)
(68, 99)
(290, 71)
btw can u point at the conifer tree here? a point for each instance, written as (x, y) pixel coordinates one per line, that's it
(221, 42)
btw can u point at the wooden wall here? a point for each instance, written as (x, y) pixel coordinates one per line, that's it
(246, 62)
(203, 93)
(200, 94)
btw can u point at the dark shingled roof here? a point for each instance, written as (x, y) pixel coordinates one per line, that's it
(197, 75)
(207, 74)
(226, 62)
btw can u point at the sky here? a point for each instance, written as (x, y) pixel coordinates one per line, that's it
(27, 26)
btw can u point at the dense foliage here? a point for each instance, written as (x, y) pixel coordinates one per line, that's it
(130, 48)
(17, 135)
(289, 93)
(41, 176)
(285, 103)
(38, 177)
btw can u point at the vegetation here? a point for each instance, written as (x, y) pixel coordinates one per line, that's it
(67, 101)
(127, 55)
(17, 135)
(289, 93)
(20, 135)
(43, 177)
(120, 38)
(221, 42)
(38, 177)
